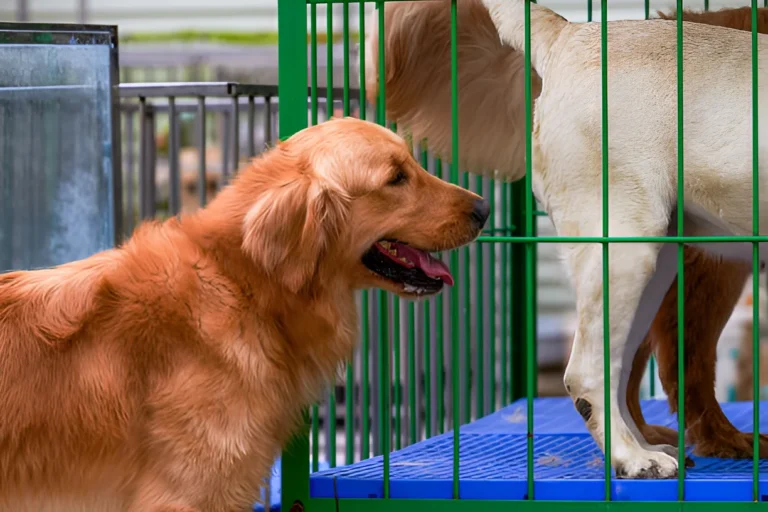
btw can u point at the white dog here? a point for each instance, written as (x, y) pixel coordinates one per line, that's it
(642, 106)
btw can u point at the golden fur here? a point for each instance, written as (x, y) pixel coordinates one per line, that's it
(165, 375)
(492, 129)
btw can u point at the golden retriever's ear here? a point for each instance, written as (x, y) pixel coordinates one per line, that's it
(290, 229)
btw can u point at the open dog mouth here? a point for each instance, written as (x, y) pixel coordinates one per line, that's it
(417, 271)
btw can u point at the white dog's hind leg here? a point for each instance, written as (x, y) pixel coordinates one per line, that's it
(650, 301)
(636, 291)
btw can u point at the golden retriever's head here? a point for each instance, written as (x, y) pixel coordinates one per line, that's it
(345, 200)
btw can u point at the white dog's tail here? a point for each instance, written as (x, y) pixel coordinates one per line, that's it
(546, 25)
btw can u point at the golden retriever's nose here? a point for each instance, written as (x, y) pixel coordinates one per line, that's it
(480, 213)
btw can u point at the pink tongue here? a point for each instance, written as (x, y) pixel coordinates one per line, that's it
(431, 266)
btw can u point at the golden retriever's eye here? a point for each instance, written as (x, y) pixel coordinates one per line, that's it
(399, 179)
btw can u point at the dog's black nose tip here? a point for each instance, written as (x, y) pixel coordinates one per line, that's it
(480, 212)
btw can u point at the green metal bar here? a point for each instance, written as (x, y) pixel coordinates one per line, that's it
(313, 109)
(466, 313)
(365, 451)
(492, 303)
(680, 263)
(349, 422)
(606, 274)
(510, 361)
(315, 439)
(529, 250)
(652, 370)
(385, 408)
(412, 409)
(384, 384)
(706, 5)
(755, 265)
(454, 257)
(427, 373)
(440, 341)
(589, 10)
(361, 23)
(313, 62)
(518, 295)
(427, 343)
(345, 39)
(292, 83)
(648, 8)
(397, 389)
(329, 106)
(480, 348)
(506, 313)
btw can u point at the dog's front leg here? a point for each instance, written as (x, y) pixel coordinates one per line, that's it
(639, 277)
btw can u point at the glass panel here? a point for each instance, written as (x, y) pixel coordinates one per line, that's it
(56, 196)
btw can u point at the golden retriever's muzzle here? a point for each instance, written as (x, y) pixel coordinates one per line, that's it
(408, 262)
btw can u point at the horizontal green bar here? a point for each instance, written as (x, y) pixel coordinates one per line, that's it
(619, 239)
(540, 213)
(377, 505)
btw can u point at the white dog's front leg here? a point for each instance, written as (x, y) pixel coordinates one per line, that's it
(636, 291)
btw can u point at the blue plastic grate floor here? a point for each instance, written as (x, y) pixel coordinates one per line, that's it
(567, 463)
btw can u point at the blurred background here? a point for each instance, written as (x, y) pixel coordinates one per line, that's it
(170, 41)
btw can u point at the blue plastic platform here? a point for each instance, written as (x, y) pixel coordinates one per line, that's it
(567, 463)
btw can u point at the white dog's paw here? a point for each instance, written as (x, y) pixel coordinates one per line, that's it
(646, 465)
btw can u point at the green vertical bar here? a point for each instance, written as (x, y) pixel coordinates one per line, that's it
(648, 8)
(706, 5)
(440, 342)
(755, 266)
(680, 263)
(350, 384)
(365, 329)
(385, 409)
(292, 83)
(365, 449)
(313, 62)
(314, 109)
(397, 390)
(315, 438)
(492, 301)
(466, 313)
(329, 105)
(589, 10)
(529, 250)
(427, 373)
(412, 410)
(480, 348)
(361, 37)
(454, 257)
(506, 379)
(427, 344)
(519, 297)
(516, 369)
(384, 384)
(345, 39)
(606, 273)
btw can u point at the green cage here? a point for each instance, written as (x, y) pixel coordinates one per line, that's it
(490, 358)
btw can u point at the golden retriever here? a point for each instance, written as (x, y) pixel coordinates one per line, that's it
(165, 375)
(491, 124)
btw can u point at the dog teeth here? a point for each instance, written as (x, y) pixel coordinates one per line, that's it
(409, 288)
